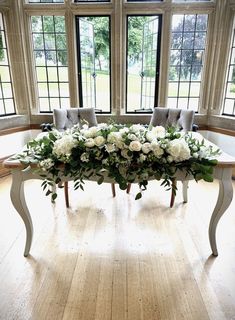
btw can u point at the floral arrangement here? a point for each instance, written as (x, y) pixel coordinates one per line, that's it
(125, 153)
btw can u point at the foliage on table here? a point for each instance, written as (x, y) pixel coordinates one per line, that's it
(125, 153)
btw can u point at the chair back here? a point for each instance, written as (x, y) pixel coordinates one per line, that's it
(66, 118)
(167, 117)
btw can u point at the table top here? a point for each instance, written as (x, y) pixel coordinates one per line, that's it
(224, 159)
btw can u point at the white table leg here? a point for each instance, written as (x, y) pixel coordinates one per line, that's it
(185, 190)
(224, 199)
(18, 201)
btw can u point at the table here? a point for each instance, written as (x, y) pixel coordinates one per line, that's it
(222, 172)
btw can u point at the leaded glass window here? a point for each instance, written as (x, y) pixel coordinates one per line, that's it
(229, 99)
(7, 105)
(50, 53)
(188, 41)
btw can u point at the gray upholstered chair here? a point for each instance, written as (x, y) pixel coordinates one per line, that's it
(66, 118)
(167, 117)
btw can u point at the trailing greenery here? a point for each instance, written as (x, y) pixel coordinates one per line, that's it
(124, 153)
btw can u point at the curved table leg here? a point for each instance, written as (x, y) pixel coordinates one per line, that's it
(18, 201)
(224, 199)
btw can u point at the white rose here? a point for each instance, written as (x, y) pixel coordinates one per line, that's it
(99, 141)
(179, 150)
(142, 157)
(146, 147)
(123, 130)
(135, 146)
(156, 148)
(124, 153)
(159, 131)
(89, 143)
(136, 128)
(90, 133)
(149, 136)
(132, 136)
(110, 147)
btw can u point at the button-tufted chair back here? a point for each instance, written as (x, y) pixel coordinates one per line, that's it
(67, 118)
(167, 117)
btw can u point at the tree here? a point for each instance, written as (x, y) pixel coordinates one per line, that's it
(188, 44)
(49, 35)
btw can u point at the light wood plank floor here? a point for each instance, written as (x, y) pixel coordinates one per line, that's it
(117, 258)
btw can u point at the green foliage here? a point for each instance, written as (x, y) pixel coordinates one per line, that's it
(124, 153)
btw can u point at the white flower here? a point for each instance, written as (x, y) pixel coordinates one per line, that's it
(179, 150)
(89, 143)
(102, 125)
(170, 159)
(64, 145)
(84, 157)
(146, 147)
(156, 148)
(142, 157)
(91, 132)
(99, 141)
(124, 130)
(46, 164)
(136, 128)
(132, 136)
(125, 154)
(158, 131)
(135, 146)
(149, 136)
(110, 147)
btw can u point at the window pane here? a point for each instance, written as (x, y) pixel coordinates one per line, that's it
(229, 97)
(187, 59)
(46, 1)
(7, 105)
(94, 62)
(49, 37)
(192, 1)
(143, 43)
(91, 0)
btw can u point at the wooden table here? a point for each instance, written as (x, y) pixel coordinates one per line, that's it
(222, 172)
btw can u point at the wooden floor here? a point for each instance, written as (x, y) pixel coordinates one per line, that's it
(117, 258)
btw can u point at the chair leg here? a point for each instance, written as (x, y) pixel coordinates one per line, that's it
(66, 193)
(128, 188)
(113, 189)
(172, 193)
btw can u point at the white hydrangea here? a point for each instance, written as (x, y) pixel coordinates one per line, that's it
(179, 150)
(63, 146)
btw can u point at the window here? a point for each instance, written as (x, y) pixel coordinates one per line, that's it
(7, 105)
(50, 52)
(91, 0)
(144, 0)
(229, 99)
(180, 1)
(93, 37)
(46, 1)
(143, 54)
(186, 60)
